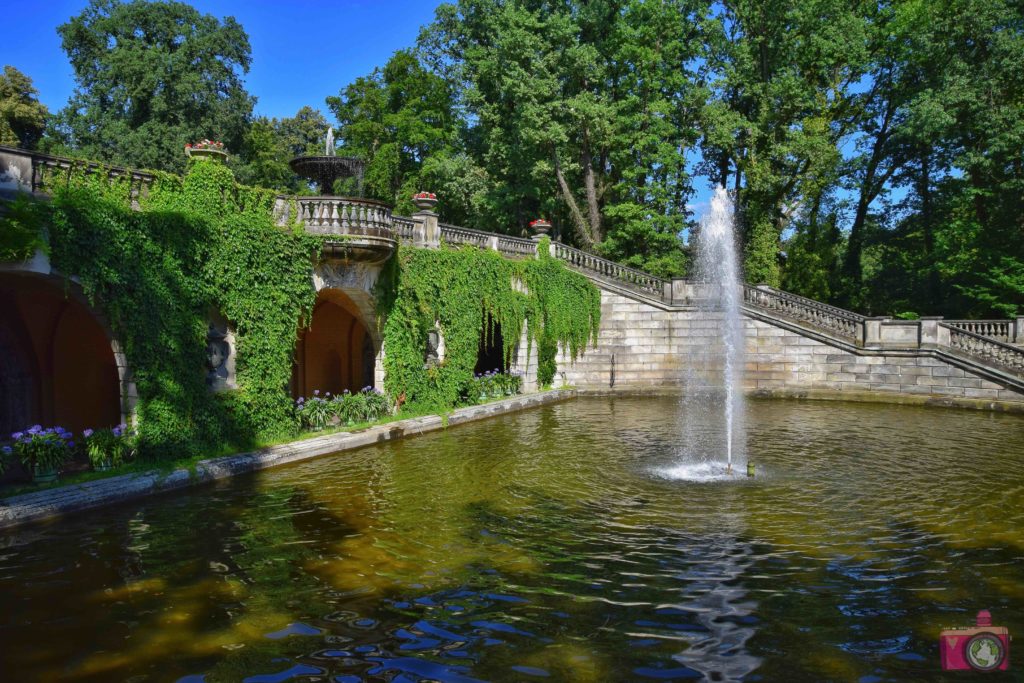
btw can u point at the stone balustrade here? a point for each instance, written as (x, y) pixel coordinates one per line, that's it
(610, 270)
(976, 346)
(1007, 331)
(831, 319)
(336, 215)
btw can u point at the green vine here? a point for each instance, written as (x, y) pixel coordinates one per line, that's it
(464, 292)
(202, 243)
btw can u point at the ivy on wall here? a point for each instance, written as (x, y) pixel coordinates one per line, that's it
(463, 292)
(200, 243)
(203, 243)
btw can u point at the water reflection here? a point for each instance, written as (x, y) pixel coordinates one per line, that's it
(542, 546)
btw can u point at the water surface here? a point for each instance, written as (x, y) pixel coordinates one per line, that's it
(545, 546)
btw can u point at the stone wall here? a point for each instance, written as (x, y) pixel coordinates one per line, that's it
(643, 345)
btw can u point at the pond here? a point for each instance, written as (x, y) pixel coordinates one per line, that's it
(545, 545)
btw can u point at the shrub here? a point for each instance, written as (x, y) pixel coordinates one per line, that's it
(111, 447)
(41, 449)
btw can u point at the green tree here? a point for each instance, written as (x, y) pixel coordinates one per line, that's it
(151, 77)
(394, 119)
(583, 110)
(270, 144)
(22, 116)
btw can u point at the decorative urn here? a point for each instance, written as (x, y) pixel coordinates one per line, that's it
(424, 201)
(540, 227)
(207, 149)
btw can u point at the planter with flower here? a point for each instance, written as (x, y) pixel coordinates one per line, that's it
(43, 451)
(424, 200)
(207, 149)
(540, 227)
(109, 448)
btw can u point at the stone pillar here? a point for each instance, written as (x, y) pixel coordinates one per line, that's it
(1017, 333)
(929, 338)
(873, 331)
(426, 233)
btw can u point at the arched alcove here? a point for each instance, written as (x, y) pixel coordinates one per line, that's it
(335, 352)
(57, 362)
(491, 351)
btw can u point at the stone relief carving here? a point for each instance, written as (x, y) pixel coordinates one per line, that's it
(220, 356)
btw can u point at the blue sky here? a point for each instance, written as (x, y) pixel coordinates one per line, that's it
(302, 50)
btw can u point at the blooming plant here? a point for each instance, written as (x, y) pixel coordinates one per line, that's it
(346, 408)
(109, 447)
(539, 221)
(493, 384)
(43, 449)
(205, 144)
(424, 195)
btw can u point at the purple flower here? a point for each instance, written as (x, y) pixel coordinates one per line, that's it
(328, 394)
(7, 450)
(316, 392)
(35, 429)
(17, 435)
(87, 433)
(116, 431)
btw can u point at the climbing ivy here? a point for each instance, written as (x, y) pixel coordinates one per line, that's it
(202, 243)
(466, 292)
(199, 243)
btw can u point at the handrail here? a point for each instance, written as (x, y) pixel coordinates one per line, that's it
(1000, 330)
(610, 269)
(832, 319)
(403, 228)
(996, 352)
(337, 215)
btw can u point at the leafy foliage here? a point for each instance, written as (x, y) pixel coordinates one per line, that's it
(22, 116)
(463, 290)
(151, 77)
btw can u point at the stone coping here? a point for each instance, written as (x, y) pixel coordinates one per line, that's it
(798, 393)
(40, 505)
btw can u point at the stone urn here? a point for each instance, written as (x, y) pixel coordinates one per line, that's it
(540, 227)
(214, 151)
(424, 201)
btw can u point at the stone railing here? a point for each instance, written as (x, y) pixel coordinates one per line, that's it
(611, 270)
(27, 171)
(403, 228)
(453, 234)
(336, 215)
(838, 321)
(1008, 331)
(994, 352)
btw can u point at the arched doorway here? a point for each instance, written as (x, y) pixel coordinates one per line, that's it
(490, 353)
(57, 365)
(335, 352)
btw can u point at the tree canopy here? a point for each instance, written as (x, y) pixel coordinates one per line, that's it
(22, 116)
(874, 147)
(151, 77)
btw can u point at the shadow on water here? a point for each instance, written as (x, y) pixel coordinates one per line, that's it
(540, 546)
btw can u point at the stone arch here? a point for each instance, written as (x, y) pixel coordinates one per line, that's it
(332, 351)
(60, 363)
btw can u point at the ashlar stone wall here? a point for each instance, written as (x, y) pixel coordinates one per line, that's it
(642, 345)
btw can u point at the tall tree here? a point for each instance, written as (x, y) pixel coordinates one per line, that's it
(395, 118)
(151, 77)
(584, 109)
(22, 115)
(270, 144)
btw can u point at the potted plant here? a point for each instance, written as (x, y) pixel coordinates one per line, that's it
(43, 451)
(424, 200)
(540, 226)
(207, 149)
(108, 448)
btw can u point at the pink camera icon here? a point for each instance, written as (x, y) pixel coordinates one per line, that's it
(983, 647)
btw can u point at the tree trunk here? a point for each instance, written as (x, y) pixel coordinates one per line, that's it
(582, 227)
(593, 207)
